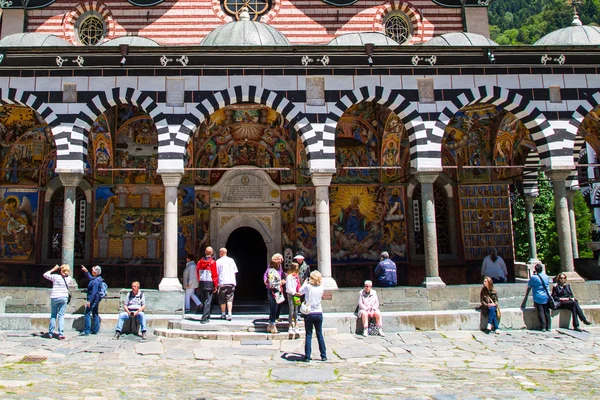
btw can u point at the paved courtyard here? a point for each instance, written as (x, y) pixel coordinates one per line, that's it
(423, 365)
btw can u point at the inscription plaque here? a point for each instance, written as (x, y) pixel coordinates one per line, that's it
(245, 193)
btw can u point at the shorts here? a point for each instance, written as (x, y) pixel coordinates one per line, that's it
(226, 293)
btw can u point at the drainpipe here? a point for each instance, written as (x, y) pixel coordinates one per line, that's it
(464, 15)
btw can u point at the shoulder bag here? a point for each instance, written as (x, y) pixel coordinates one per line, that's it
(68, 291)
(305, 306)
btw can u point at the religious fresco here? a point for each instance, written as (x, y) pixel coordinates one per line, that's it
(303, 173)
(288, 219)
(485, 135)
(186, 223)
(124, 138)
(129, 224)
(18, 223)
(395, 150)
(202, 206)
(244, 135)
(590, 129)
(25, 145)
(486, 220)
(306, 222)
(366, 221)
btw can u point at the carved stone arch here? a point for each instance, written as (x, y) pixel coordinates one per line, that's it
(541, 131)
(420, 147)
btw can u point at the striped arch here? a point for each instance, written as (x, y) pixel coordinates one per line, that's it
(423, 153)
(60, 132)
(412, 12)
(70, 19)
(530, 174)
(114, 97)
(548, 142)
(572, 181)
(252, 94)
(582, 111)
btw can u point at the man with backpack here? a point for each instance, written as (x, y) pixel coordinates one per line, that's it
(133, 306)
(95, 292)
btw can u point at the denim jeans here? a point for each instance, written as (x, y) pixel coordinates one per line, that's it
(274, 308)
(57, 309)
(493, 318)
(92, 311)
(315, 320)
(123, 316)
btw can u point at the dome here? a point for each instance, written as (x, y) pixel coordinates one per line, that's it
(460, 39)
(131, 41)
(33, 39)
(245, 33)
(575, 35)
(362, 38)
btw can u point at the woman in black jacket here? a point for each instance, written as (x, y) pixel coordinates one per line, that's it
(563, 296)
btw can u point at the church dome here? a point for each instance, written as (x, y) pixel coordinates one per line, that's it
(575, 35)
(132, 41)
(362, 38)
(33, 39)
(460, 39)
(245, 33)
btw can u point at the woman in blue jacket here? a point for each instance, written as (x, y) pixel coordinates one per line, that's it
(539, 284)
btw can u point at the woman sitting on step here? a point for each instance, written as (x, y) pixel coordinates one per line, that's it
(489, 304)
(564, 298)
(368, 307)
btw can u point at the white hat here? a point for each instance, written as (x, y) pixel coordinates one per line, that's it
(297, 256)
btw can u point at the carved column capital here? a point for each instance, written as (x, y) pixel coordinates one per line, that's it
(556, 175)
(321, 178)
(427, 176)
(70, 179)
(171, 179)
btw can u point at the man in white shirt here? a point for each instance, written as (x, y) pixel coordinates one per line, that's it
(494, 267)
(226, 270)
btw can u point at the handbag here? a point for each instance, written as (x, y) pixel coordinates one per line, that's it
(67, 286)
(551, 303)
(279, 297)
(305, 306)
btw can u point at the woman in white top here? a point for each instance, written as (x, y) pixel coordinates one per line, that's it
(59, 297)
(314, 292)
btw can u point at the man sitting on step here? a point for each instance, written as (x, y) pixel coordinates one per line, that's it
(134, 306)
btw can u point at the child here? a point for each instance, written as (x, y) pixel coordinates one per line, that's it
(292, 285)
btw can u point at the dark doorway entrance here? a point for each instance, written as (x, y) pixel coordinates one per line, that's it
(247, 247)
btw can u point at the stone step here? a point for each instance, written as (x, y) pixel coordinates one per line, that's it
(234, 335)
(243, 323)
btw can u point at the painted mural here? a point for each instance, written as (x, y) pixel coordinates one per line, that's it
(244, 135)
(483, 136)
(18, 223)
(395, 150)
(486, 220)
(26, 143)
(366, 221)
(590, 129)
(306, 229)
(288, 219)
(129, 224)
(186, 224)
(202, 206)
(124, 139)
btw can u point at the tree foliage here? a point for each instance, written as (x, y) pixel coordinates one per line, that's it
(514, 22)
(546, 233)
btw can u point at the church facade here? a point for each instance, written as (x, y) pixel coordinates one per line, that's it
(134, 133)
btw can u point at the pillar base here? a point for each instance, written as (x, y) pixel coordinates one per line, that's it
(329, 284)
(433, 282)
(170, 285)
(533, 261)
(574, 277)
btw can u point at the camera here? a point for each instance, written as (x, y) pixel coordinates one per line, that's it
(131, 313)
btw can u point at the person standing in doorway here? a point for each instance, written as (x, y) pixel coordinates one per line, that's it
(386, 271)
(208, 281)
(226, 269)
(190, 282)
(93, 300)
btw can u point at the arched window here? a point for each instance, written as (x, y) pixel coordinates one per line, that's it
(255, 8)
(397, 26)
(90, 28)
(441, 221)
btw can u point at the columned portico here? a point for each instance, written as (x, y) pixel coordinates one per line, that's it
(322, 181)
(572, 223)
(432, 273)
(170, 282)
(558, 177)
(533, 257)
(70, 181)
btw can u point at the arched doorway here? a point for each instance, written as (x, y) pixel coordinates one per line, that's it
(247, 247)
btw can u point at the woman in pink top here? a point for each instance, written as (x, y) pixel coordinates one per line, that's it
(368, 307)
(59, 297)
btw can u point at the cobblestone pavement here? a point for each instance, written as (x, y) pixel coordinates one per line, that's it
(423, 365)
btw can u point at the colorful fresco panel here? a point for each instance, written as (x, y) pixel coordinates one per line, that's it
(306, 223)
(18, 223)
(202, 207)
(288, 218)
(590, 129)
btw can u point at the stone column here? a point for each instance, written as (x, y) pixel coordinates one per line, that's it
(572, 223)
(70, 182)
(322, 181)
(567, 266)
(432, 274)
(170, 281)
(533, 258)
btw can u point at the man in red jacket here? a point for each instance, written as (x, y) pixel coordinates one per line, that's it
(208, 280)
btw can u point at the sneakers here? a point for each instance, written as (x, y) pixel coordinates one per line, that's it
(489, 327)
(497, 331)
(365, 333)
(323, 359)
(204, 321)
(229, 317)
(117, 335)
(223, 316)
(61, 337)
(144, 337)
(381, 332)
(84, 334)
